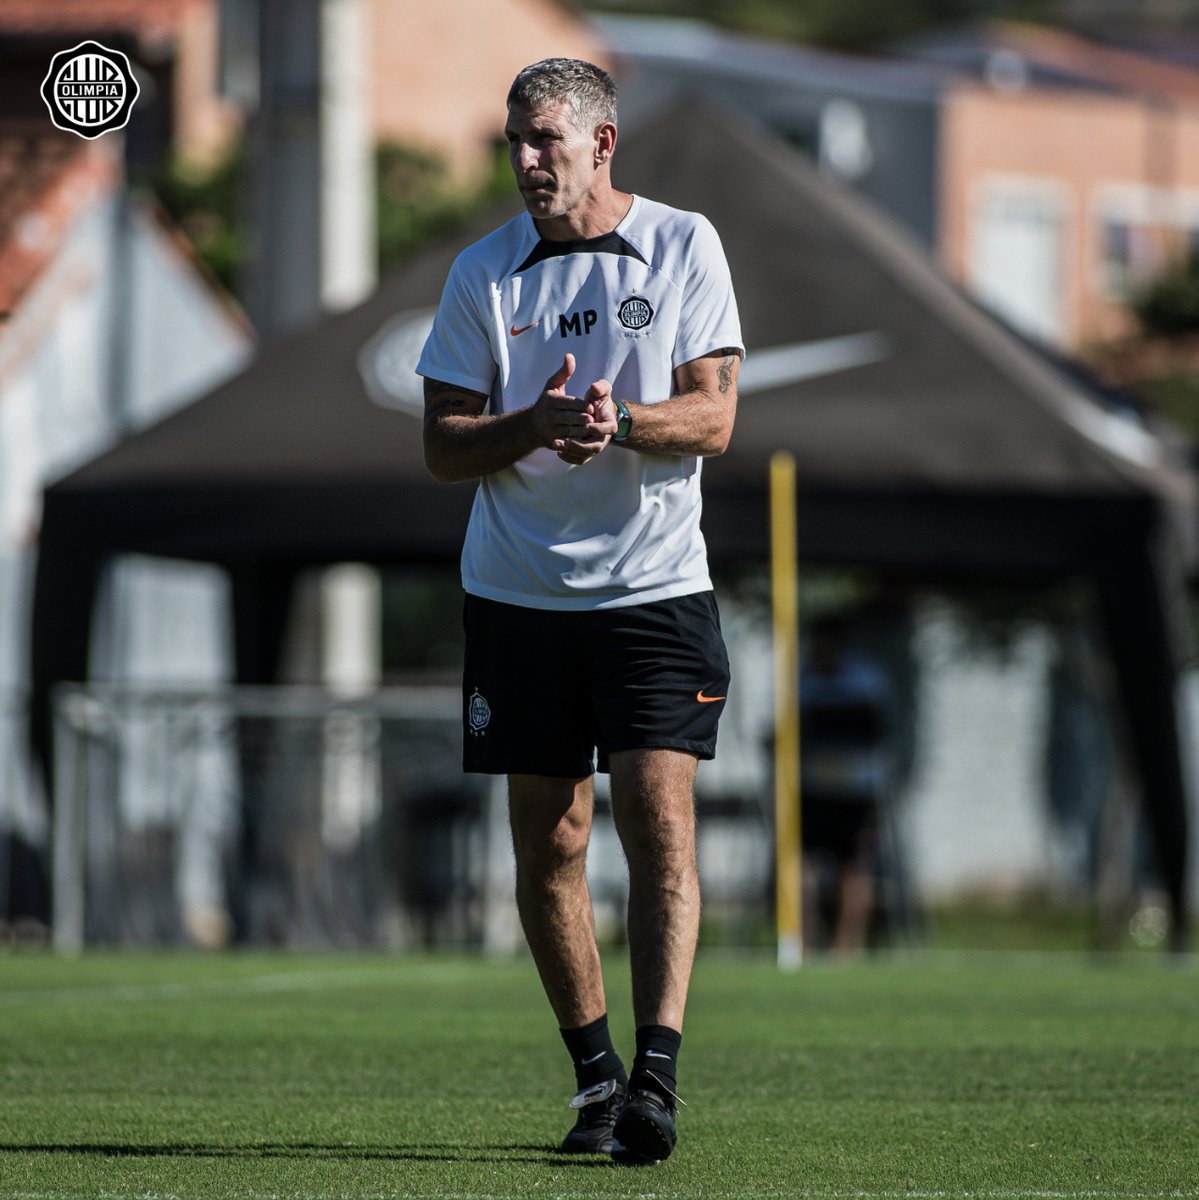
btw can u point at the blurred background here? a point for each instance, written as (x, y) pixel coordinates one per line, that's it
(965, 240)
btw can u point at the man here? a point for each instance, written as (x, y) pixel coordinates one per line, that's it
(583, 359)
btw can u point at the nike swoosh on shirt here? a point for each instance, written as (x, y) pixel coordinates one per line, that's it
(523, 329)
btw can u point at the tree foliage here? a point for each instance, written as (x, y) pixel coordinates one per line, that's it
(1160, 361)
(417, 198)
(1169, 305)
(415, 194)
(206, 204)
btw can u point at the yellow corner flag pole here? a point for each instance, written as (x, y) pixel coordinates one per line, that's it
(785, 591)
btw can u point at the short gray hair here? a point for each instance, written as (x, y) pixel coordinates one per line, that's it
(589, 90)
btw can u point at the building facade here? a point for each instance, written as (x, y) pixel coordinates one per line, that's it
(1068, 178)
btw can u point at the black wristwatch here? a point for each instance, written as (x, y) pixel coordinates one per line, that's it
(624, 420)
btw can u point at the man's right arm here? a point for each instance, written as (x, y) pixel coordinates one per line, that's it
(462, 442)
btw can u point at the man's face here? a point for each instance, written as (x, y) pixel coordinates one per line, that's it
(554, 162)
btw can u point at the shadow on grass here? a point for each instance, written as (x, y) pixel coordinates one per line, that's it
(549, 1156)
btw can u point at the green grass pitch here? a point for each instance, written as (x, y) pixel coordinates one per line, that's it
(347, 1078)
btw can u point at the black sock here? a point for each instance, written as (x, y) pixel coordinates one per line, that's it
(595, 1058)
(656, 1062)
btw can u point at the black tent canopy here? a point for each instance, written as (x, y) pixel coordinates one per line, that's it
(928, 438)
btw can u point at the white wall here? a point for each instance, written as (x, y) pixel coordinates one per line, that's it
(186, 340)
(975, 814)
(163, 621)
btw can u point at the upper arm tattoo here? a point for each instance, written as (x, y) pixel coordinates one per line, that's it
(724, 372)
(698, 373)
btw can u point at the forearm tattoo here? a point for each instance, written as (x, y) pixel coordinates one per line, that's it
(436, 395)
(444, 397)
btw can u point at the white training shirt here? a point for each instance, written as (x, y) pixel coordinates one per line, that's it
(631, 306)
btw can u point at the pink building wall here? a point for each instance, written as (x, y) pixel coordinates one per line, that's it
(441, 69)
(1112, 181)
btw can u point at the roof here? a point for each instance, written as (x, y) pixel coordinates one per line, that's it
(1179, 47)
(145, 19)
(1059, 57)
(47, 179)
(697, 45)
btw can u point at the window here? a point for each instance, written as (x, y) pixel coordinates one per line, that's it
(1017, 256)
(1128, 255)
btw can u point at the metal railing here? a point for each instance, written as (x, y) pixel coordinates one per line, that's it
(300, 818)
(272, 816)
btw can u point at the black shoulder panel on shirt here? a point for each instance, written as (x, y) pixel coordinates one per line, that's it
(606, 243)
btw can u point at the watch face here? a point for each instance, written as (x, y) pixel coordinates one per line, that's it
(624, 421)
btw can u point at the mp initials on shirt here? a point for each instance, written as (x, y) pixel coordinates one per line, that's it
(578, 323)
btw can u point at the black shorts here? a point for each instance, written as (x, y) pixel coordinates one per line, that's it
(543, 690)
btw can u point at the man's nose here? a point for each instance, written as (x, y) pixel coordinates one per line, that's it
(526, 157)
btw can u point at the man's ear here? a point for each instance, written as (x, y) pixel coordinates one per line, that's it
(605, 141)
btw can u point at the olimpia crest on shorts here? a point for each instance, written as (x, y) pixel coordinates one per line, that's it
(90, 90)
(478, 713)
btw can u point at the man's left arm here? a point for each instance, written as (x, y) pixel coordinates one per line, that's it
(698, 418)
